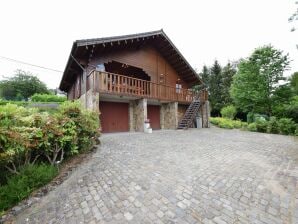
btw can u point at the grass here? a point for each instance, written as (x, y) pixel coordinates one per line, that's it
(19, 187)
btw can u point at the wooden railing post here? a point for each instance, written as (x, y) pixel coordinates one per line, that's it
(124, 85)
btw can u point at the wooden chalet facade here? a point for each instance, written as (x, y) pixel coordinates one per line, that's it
(131, 79)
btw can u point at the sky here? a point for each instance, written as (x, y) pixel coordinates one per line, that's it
(42, 32)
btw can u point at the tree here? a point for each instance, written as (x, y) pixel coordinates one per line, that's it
(215, 85)
(228, 73)
(21, 86)
(205, 74)
(257, 79)
(218, 81)
(294, 82)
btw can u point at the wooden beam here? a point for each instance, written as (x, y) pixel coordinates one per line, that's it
(164, 47)
(184, 70)
(181, 66)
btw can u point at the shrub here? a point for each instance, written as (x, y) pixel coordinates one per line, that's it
(215, 120)
(252, 127)
(286, 126)
(291, 109)
(253, 117)
(26, 135)
(261, 125)
(20, 186)
(228, 112)
(59, 137)
(238, 124)
(29, 137)
(273, 126)
(226, 124)
(87, 123)
(47, 98)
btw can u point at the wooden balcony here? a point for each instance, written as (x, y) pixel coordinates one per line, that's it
(115, 84)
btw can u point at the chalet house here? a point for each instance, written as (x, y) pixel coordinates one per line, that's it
(135, 79)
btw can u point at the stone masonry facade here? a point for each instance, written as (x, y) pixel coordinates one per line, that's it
(169, 112)
(169, 115)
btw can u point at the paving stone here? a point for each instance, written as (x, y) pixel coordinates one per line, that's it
(181, 205)
(128, 216)
(218, 220)
(194, 176)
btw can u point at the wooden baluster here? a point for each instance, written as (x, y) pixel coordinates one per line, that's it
(125, 84)
(111, 82)
(118, 84)
(138, 87)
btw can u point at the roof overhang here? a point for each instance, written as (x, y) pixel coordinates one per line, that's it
(82, 50)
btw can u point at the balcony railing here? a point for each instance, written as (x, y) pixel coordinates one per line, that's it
(105, 82)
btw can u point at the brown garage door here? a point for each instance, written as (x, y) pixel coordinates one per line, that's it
(113, 117)
(153, 114)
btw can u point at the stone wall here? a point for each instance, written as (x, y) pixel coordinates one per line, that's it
(169, 115)
(205, 114)
(181, 111)
(137, 114)
(92, 100)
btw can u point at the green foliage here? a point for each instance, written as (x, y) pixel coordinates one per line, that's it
(250, 117)
(21, 86)
(257, 78)
(294, 82)
(228, 112)
(29, 137)
(218, 81)
(227, 123)
(273, 126)
(47, 98)
(291, 109)
(286, 126)
(20, 186)
(205, 74)
(59, 137)
(261, 125)
(252, 127)
(87, 123)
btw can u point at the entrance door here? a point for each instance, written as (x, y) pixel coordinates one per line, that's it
(113, 117)
(153, 114)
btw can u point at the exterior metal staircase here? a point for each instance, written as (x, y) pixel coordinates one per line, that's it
(189, 116)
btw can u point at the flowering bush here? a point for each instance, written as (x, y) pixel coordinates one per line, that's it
(27, 136)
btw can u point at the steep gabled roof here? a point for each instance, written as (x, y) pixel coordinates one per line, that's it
(84, 49)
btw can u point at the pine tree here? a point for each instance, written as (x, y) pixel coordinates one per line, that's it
(227, 77)
(215, 86)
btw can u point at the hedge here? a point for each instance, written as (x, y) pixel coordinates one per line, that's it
(285, 126)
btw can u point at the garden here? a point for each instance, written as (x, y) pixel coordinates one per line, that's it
(254, 93)
(255, 123)
(34, 143)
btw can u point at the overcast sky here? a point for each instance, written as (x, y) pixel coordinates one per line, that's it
(42, 32)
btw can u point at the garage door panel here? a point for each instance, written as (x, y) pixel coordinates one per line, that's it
(153, 114)
(114, 117)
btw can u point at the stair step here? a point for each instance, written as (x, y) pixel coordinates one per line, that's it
(187, 120)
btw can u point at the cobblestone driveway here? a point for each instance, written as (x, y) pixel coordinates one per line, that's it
(195, 176)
